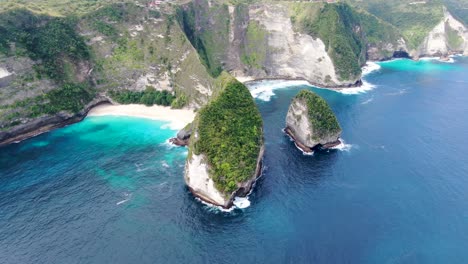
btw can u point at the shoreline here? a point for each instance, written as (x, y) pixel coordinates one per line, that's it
(101, 106)
(178, 118)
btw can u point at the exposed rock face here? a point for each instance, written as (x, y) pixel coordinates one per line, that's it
(387, 51)
(260, 42)
(183, 136)
(290, 54)
(200, 182)
(449, 36)
(311, 123)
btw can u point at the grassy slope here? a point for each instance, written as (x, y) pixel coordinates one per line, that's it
(56, 7)
(253, 51)
(413, 21)
(459, 9)
(230, 134)
(207, 28)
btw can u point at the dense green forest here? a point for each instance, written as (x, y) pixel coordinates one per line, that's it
(52, 41)
(230, 135)
(147, 97)
(321, 116)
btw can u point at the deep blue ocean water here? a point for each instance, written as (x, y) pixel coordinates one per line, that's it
(111, 190)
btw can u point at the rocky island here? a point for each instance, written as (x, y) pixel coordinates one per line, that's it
(225, 146)
(311, 123)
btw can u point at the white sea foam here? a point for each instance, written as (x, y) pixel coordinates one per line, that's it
(168, 144)
(213, 207)
(365, 87)
(128, 196)
(174, 125)
(241, 202)
(343, 146)
(368, 101)
(139, 169)
(370, 67)
(399, 92)
(264, 89)
(450, 60)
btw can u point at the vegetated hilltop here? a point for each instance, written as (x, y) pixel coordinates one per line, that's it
(311, 122)
(226, 145)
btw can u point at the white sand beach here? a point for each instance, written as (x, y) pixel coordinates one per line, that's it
(178, 118)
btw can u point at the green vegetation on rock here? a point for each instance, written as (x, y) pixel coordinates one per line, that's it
(69, 97)
(53, 42)
(207, 28)
(414, 20)
(454, 40)
(254, 51)
(338, 26)
(147, 97)
(230, 135)
(320, 114)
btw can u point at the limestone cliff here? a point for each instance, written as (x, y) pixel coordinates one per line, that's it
(260, 40)
(226, 146)
(449, 36)
(311, 123)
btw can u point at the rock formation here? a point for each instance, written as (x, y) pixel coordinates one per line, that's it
(225, 146)
(311, 123)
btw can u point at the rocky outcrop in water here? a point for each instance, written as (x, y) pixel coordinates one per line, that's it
(311, 123)
(225, 146)
(183, 136)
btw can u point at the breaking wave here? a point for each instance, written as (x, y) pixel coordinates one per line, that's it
(263, 90)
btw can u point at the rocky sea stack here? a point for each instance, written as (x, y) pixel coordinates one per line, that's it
(311, 123)
(225, 145)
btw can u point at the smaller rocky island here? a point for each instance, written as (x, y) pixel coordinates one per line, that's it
(311, 123)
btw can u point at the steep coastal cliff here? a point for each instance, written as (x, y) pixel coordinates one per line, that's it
(56, 59)
(226, 145)
(277, 40)
(311, 123)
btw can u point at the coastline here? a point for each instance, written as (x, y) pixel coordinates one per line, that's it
(178, 118)
(100, 106)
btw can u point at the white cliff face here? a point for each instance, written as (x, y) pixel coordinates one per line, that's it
(197, 178)
(437, 42)
(297, 120)
(4, 73)
(291, 54)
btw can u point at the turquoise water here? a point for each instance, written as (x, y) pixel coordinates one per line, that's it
(110, 189)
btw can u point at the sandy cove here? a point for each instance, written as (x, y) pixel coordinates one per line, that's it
(178, 118)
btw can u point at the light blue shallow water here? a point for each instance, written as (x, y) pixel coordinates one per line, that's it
(110, 190)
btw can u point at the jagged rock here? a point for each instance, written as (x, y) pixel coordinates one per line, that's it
(183, 136)
(311, 123)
